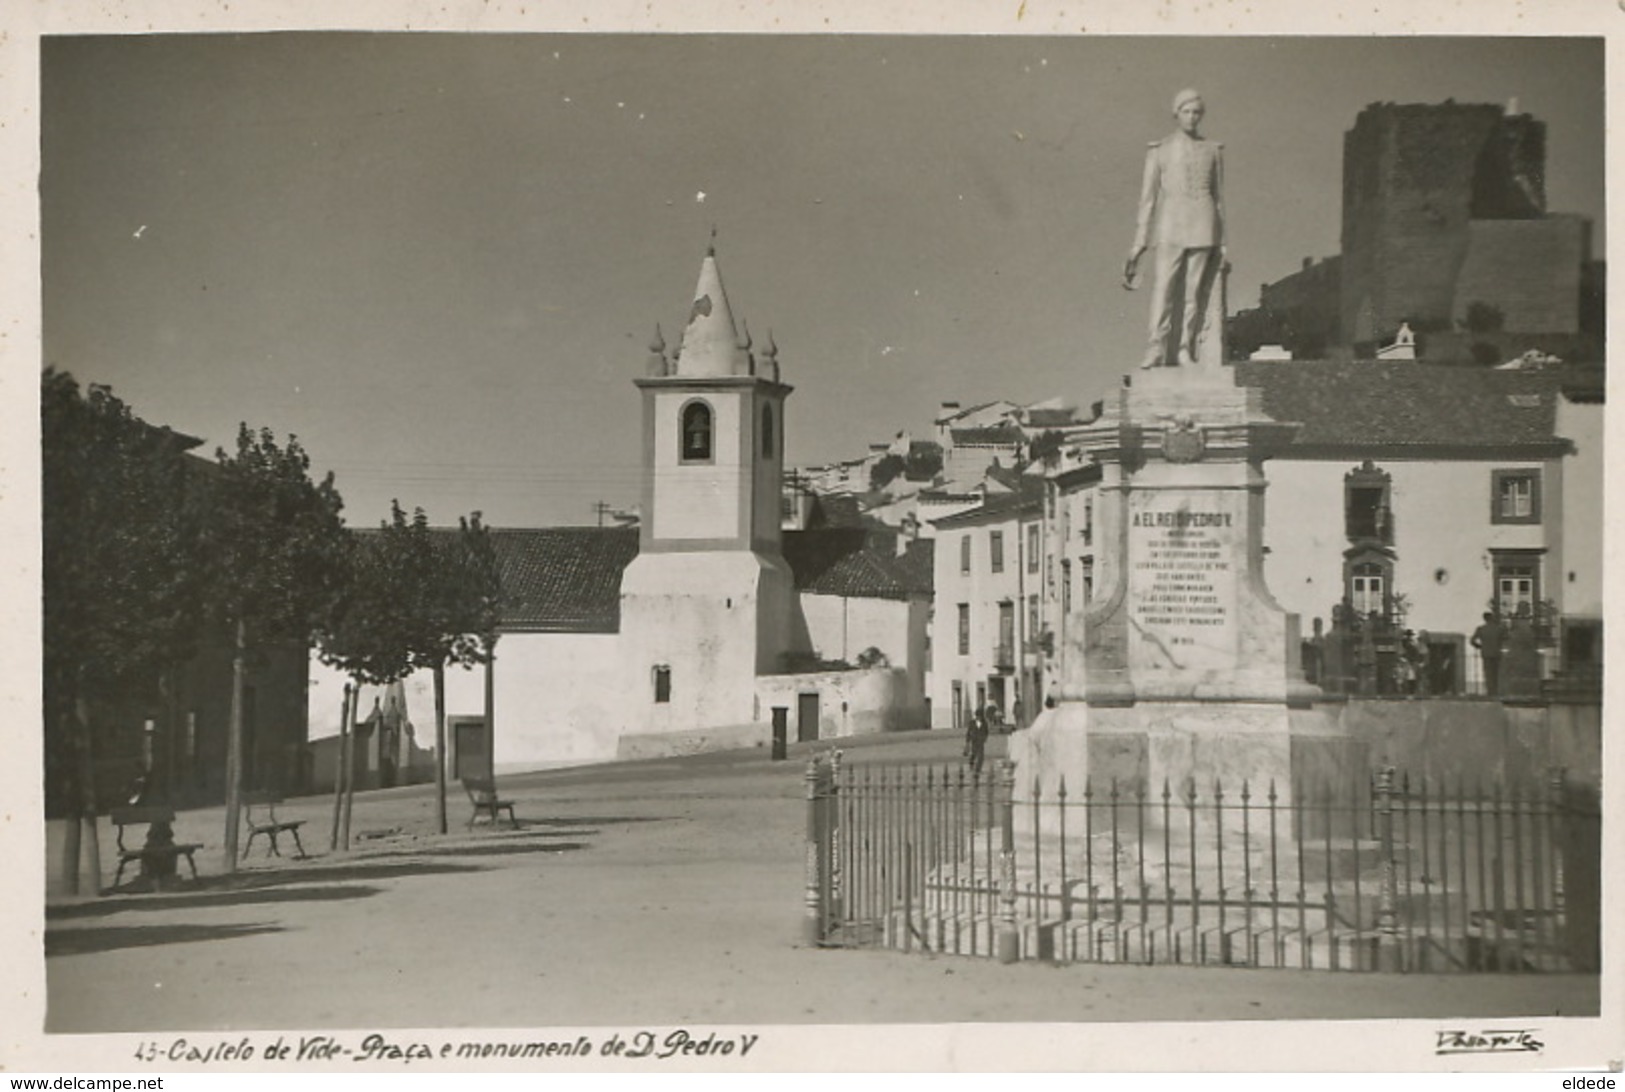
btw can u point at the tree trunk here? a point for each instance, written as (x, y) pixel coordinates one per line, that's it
(440, 756)
(338, 769)
(234, 745)
(73, 828)
(81, 849)
(349, 766)
(90, 840)
(490, 713)
(169, 688)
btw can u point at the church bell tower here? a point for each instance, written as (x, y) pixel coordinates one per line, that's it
(707, 605)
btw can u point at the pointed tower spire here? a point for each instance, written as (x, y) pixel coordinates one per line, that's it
(711, 341)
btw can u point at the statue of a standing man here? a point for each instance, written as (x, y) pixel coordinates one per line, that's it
(1182, 212)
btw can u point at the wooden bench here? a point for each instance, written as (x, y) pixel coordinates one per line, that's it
(259, 815)
(482, 793)
(157, 856)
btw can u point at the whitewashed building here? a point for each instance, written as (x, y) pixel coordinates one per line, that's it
(986, 644)
(1438, 493)
(1429, 494)
(688, 631)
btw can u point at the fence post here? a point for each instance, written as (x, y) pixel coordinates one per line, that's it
(1389, 956)
(1009, 943)
(1581, 854)
(1556, 778)
(835, 879)
(812, 931)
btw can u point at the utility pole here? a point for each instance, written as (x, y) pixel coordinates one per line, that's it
(602, 508)
(790, 497)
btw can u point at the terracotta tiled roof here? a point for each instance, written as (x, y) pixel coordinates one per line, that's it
(847, 561)
(916, 565)
(1029, 498)
(568, 579)
(1005, 433)
(1403, 403)
(964, 412)
(563, 578)
(1051, 418)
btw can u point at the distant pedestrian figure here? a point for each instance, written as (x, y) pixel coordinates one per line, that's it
(976, 742)
(1490, 639)
(1313, 652)
(1522, 675)
(1422, 657)
(1408, 665)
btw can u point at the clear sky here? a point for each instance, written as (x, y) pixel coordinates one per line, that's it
(438, 259)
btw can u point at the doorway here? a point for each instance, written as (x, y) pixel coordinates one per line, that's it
(806, 717)
(470, 747)
(999, 711)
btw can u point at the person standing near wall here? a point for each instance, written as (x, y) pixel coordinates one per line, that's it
(976, 742)
(1421, 657)
(1522, 660)
(1490, 639)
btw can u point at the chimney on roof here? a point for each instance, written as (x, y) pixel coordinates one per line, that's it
(908, 533)
(1307, 262)
(948, 407)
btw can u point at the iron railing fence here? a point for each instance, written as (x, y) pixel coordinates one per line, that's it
(1395, 872)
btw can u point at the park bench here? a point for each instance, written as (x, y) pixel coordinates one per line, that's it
(259, 815)
(157, 855)
(482, 794)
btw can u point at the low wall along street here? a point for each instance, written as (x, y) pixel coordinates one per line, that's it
(1485, 741)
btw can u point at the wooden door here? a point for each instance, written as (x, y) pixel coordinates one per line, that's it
(806, 717)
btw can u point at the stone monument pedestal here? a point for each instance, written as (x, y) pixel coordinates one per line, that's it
(1183, 669)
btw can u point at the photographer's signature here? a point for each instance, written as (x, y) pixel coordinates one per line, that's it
(1513, 1041)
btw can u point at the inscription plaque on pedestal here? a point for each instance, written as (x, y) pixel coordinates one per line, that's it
(1182, 589)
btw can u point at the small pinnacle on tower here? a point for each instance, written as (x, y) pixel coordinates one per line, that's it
(657, 363)
(770, 356)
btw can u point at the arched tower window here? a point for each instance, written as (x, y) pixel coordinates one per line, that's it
(767, 432)
(696, 438)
